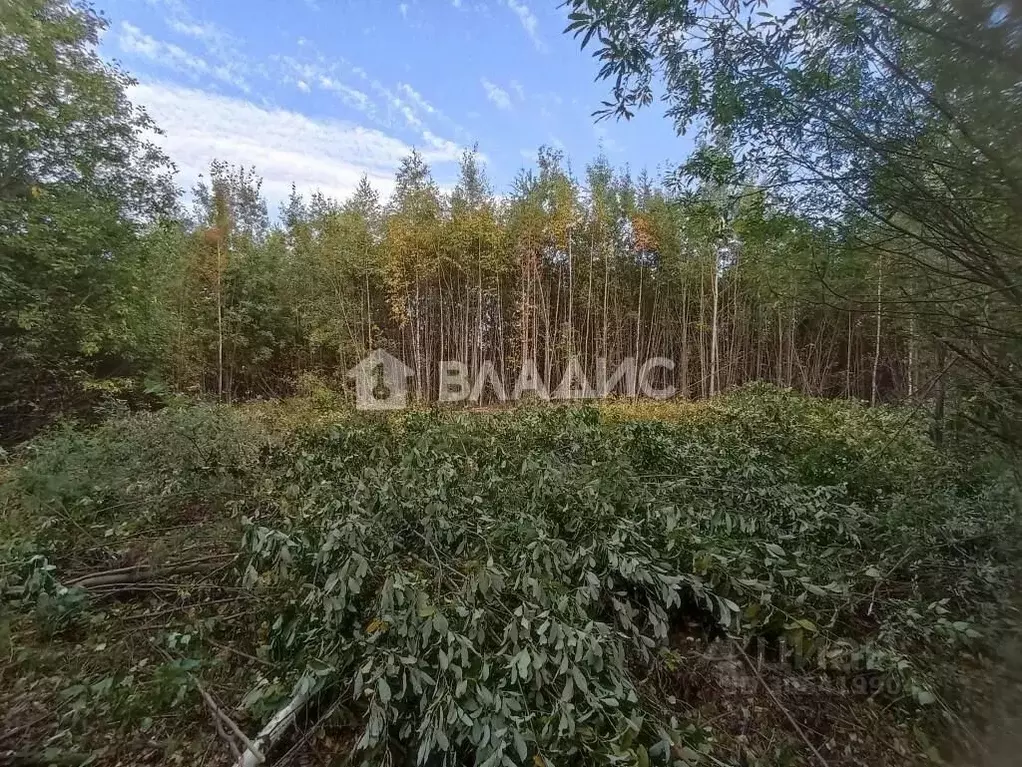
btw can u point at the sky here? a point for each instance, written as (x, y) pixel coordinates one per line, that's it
(319, 92)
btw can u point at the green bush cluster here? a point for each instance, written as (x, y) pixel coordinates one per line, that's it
(500, 586)
(510, 588)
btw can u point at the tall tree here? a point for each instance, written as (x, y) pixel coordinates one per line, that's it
(895, 121)
(79, 187)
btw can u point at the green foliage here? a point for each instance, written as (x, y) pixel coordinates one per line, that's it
(521, 587)
(146, 464)
(504, 587)
(892, 123)
(79, 186)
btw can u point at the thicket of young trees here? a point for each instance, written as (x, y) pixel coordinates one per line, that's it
(108, 286)
(599, 267)
(897, 122)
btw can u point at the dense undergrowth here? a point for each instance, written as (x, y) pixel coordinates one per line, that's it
(741, 581)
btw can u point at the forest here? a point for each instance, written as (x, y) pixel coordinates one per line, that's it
(707, 267)
(808, 556)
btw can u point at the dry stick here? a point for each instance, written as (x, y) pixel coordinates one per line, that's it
(208, 699)
(178, 608)
(217, 711)
(137, 572)
(899, 563)
(235, 751)
(33, 759)
(21, 728)
(778, 704)
(240, 653)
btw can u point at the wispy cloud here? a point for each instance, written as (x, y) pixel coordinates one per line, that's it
(528, 21)
(416, 98)
(326, 76)
(518, 89)
(328, 155)
(219, 47)
(132, 40)
(496, 94)
(401, 107)
(350, 96)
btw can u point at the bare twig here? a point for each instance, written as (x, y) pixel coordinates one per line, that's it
(779, 705)
(217, 711)
(296, 748)
(240, 653)
(235, 751)
(876, 587)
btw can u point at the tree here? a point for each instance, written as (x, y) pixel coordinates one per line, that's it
(895, 122)
(80, 186)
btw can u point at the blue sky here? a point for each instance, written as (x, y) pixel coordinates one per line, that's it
(319, 92)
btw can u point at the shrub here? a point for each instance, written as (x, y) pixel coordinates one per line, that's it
(501, 588)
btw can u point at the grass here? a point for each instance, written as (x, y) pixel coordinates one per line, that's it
(761, 579)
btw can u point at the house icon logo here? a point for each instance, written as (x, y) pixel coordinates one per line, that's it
(381, 382)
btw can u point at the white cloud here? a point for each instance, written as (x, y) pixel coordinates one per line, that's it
(440, 145)
(528, 21)
(305, 75)
(395, 103)
(220, 47)
(401, 107)
(518, 89)
(200, 31)
(350, 96)
(404, 9)
(497, 95)
(416, 98)
(134, 41)
(284, 146)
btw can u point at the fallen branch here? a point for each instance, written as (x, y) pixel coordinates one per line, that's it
(226, 738)
(296, 748)
(778, 704)
(144, 572)
(276, 727)
(222, 717)
(43, 758)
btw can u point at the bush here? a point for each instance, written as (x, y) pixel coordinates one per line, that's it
(502, 588)
(135, 468)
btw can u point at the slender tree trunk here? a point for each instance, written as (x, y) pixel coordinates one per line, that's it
(571, 299)
(684, 343)
(604, 341)
(874, 395)
(911, 357)
(638, 333)
(848, 357)
(713, 330)
(219, 323)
